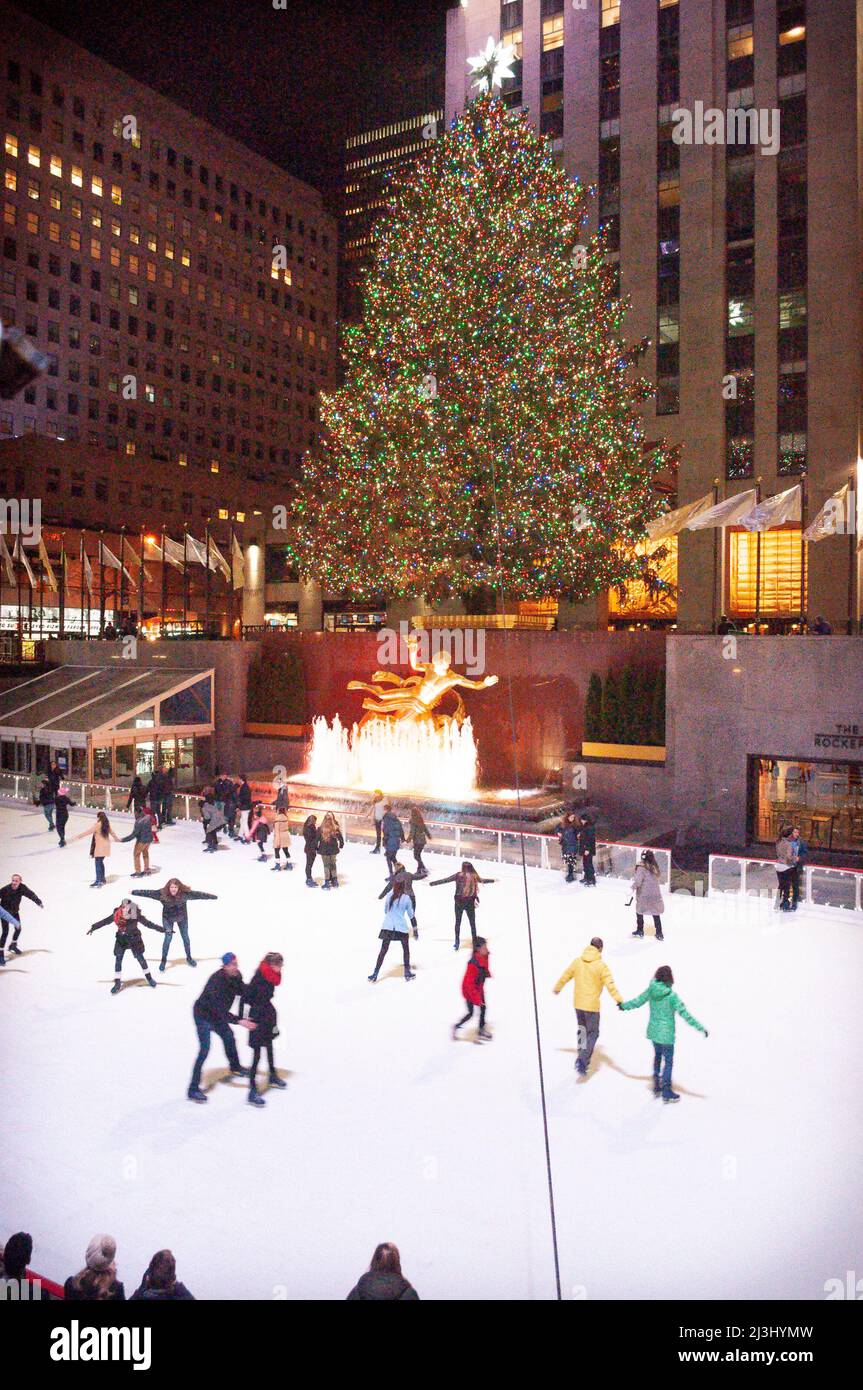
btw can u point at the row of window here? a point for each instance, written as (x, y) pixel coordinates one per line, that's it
(126, 129)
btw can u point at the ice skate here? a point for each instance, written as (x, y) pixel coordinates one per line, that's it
(670, 1098)
(14, 950)
(189, 961)
(659, 936)
(638, 933)
(196, 1094)
(150, 981)
(373, 978)
(276, 869)
(454, 1032)
(410, 974)
(116, 987)
(255, 1099)
(239, 1071)
(277, 1081)
(484, 1034)
(310, 883)
(2, 959)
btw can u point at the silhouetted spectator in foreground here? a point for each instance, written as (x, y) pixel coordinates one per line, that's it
(160, 1283)
(97, 1281)
(384, 1281)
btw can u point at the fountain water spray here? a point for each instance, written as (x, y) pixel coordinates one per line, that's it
(402, 755)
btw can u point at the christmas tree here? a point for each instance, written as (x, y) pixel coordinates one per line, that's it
(487, 434)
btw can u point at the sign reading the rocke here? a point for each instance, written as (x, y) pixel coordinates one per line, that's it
(847, 736)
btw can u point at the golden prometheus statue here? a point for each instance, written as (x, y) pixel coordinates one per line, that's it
(416, 697)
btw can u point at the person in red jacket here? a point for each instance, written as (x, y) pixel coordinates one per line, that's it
(473, 987)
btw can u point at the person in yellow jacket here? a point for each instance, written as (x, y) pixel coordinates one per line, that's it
(591, 976)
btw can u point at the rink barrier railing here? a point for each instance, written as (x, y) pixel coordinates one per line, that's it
(493, 844)
(821, 886)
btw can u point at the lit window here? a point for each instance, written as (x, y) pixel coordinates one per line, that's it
(95, 248)
(513, 38)
(740, 42)
(56, 166)
(130, 446)
(133, 294)
(183, 460)
(10, 214)
(12, 146)
(116, 194)
(169, 250)
(133, 265)
(74, 239)
(186, 257)
(741, 316)
(96, 185)
(776, 568)
(552, 33)
(240, 516)
(115, 226)
(214, 465)
(792, 309)
(77, 207)
(77, 176)
(149, 393)
(56, 198)
(793, 35)
(33, 189)
(33, 223)
(223, 514)
(34, 156)
(610, 12)
(135, 234)
(11, 180)
(54, 232)
(95, 217)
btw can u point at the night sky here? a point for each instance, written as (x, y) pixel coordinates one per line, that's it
(288, 83)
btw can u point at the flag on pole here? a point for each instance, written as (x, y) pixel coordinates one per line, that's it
(110, 559)
(830, 521)
(238, 563)
(7, 560)
(173, 552)
(670, 523)
(129, 552)
(21, 555)
(195, 550)
(774, 511)
(46, 565)
(727, 513)
(218, 561)
(88, 572)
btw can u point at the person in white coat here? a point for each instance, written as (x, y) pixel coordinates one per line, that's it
(648, 894)
(398, 911)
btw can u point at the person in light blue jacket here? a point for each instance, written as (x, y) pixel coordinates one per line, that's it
(398, 911)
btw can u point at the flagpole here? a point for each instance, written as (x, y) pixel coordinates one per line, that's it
(30, 599)
(89, 600)
(232, 607)
(757, 565)
(207, 581)
(851, 528)
(101, 587)
(81, 557)
(715, 559)
(62, 586)
(185, 576)
(803, 553)
(141, 582)
(164, 589)
(20, 608)
(122, 570)
(41, 597)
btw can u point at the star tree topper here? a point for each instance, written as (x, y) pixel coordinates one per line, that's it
(492, 65)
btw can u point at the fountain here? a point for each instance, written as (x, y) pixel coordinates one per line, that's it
(404, 755)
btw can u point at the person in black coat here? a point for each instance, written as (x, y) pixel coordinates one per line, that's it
(55, 777)
(168, 791)
(244, 794)
(62, 802)
(258, 995)
(45, 799)
(155, 792)
(174, 897)
(230, 809)
(160, 1283)
(128, 920)
(310, 840)
(137, 796)
(384, 1281)
(10, 901)
(587, 845)
(568, 837)
(212, 1014)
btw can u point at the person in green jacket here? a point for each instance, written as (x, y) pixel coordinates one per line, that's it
(664, 1004)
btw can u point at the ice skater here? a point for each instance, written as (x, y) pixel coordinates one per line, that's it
(62, 802)
(45, 799)
(128, 920)
(648, 894)
(213, 820)
(282, 837)
(591, 976)
(212, 1014)
(403, 882)
(310, 843)
(259, 830)
(467, 882)
(418, 838)
(100, 849)
(568, 837)
(175, 897)
(587, 848)
(143, 835)
(378, 807)
(258, 995)
(10, 913)
(664, 1004)
(398, 907)
(330, 841)
(473, 989)
(392, 833)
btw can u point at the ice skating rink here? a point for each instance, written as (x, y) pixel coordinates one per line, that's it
(748, 1188)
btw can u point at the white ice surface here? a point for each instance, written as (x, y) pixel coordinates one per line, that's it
(749, 1188)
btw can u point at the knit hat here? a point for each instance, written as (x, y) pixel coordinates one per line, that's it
(101, 1252)
(228, 958)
